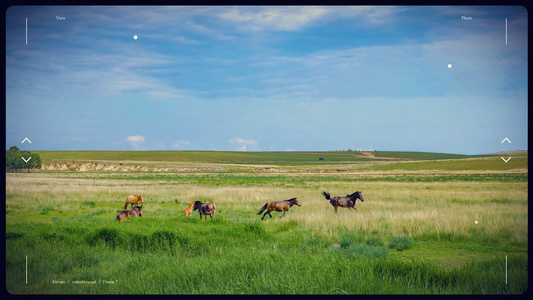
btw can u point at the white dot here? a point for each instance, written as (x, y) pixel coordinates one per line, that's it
(135, 37)
(475, 222)
(449, 66)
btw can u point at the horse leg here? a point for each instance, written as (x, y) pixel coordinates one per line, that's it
(283, 215)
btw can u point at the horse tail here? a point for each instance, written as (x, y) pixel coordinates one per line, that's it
(263, 208)
(326, 195)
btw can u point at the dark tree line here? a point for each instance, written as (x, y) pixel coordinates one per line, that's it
(15, 163)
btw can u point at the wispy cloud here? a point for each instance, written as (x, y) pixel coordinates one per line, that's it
(244, 145)
(180, 144)
(273, 18)
(136, 141)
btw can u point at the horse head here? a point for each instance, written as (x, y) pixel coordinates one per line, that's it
(359, 194)
(141, 197)
(138, 210)
(295, 201)
(197, 205)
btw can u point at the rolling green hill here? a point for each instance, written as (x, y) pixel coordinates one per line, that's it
(238, 157)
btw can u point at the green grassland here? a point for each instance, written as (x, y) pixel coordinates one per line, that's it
(415, 233)
(234, 157)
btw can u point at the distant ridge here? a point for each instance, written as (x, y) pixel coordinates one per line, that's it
(512, 152)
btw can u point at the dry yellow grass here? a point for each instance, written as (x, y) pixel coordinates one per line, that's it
(390, 209)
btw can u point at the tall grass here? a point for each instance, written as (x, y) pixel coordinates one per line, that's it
(311, 250)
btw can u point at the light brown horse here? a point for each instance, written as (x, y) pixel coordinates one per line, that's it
(348, 201)
(205, 209)
(188, 210)
(278, 206)
(133, 200)
(126, 214)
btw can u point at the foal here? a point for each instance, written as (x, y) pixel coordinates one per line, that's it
(188, 210)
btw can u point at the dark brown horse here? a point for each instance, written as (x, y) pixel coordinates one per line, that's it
(205, 209)
(348, 201)
(139, 210)
(278, 206)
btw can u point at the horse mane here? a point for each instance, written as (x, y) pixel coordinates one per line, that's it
(354, 195)
(292, 199)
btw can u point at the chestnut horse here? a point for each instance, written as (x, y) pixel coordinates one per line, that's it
(133, 200)
(205, 209)
(348, 201)
(188, 210)
(278, 206)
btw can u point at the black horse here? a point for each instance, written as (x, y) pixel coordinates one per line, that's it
(348, 201)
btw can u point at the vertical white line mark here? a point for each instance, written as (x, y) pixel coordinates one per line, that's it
(506, 269)
(26, 269)
(506, 31)
(26, 31)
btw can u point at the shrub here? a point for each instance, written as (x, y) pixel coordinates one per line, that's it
(254, 228)
(378, 242)
(90, 203)
(13, 235)
(400, 243)
(345, 241)
(108, 236)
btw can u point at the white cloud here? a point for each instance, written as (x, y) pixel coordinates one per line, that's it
(135, 141)
(180, 144)
(274, 18)
(244, 145)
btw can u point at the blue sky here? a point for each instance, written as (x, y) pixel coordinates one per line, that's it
(263, 78)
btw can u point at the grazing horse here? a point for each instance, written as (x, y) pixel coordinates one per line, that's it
(133, 200)
(348, 201)
(126, 214)
(205, 209)
(188, 210)
(278, 206)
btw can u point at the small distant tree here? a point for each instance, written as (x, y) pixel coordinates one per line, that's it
(15, 163)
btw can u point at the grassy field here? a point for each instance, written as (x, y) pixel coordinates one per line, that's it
(415, 233)
(235, 157)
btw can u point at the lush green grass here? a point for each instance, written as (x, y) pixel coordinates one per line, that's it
(413, 234)
(188, 256)
(226, 179)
